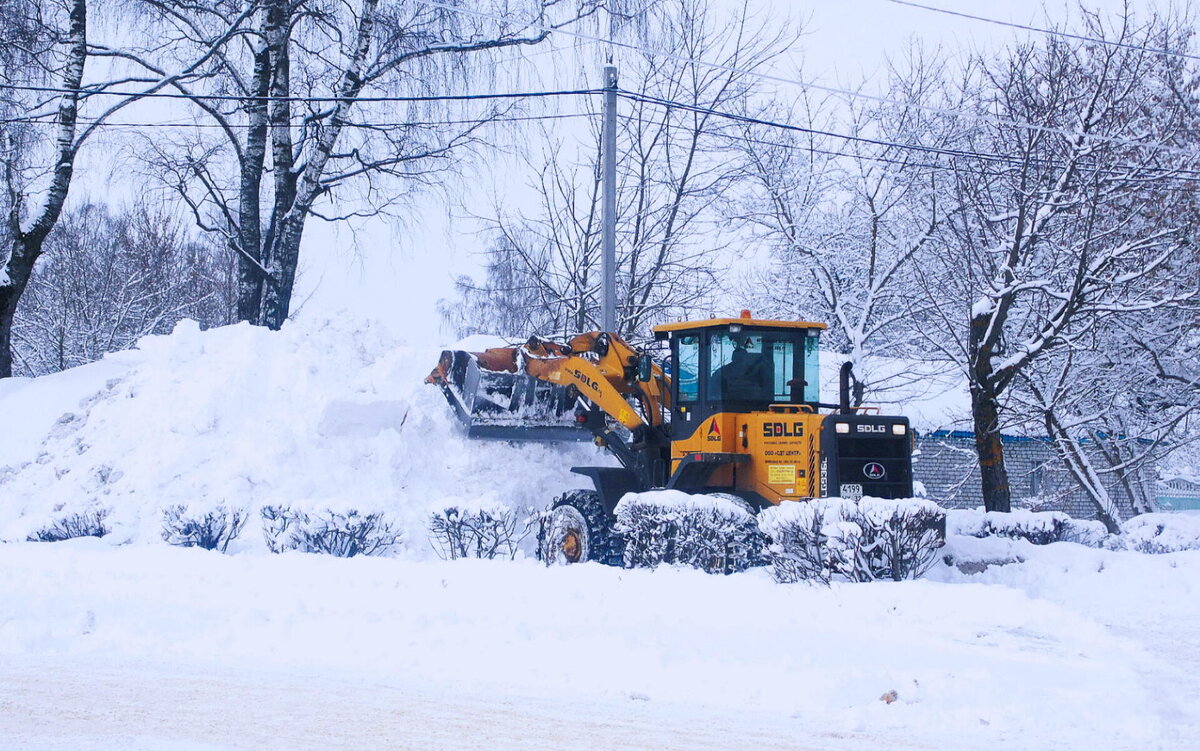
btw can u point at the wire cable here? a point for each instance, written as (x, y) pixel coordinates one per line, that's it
(1065, 132)
(41, 120)
(955, 168)
(1051, 32)
(939, 151)
(86, 92)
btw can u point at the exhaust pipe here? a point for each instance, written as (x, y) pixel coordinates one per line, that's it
(844, 388)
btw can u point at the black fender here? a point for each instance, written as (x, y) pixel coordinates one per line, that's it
(612, 483)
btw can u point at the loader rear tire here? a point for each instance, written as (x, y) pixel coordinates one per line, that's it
(577, 529)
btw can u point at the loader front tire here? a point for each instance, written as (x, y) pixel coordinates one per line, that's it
(577, 529)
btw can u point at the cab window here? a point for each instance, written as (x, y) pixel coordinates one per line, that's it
(688, 376)
(740, 369)
(762, 367)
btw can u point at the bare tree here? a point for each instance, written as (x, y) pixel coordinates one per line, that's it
(1118, 403)
(109, 278)
(47, 47)
(1055, 239)
(302, 135)
(847, 219)
(676, 162)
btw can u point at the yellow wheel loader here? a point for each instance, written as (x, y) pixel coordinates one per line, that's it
(734, 409)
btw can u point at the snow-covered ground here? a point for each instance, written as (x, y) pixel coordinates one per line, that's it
(156, 647)
(126, 642)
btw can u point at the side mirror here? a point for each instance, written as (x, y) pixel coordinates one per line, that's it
(645, 368)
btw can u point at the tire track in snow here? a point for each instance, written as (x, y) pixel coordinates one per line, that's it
(56, 704)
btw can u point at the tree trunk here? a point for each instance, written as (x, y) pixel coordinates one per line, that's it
(249, 237)
(9, 296)
(19, 268)
(27, 246)
(997, 496)
(285, 255)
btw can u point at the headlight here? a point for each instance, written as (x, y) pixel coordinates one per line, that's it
(841, 427)
(899, 428)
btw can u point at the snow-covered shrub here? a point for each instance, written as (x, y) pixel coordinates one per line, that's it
(967, 522)
(338, 533)
(715, 534)
(812, 541)
(1087, 532)
(87, 523)
(1038, 527)
(870, 539)
(466, 530)
(1159, 533)
(901, 537)
(210, 528)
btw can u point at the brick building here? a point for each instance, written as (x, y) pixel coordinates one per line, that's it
(945, 462)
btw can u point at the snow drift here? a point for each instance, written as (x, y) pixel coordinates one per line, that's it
(323, 416)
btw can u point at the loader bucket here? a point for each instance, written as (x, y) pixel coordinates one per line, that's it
(495, 401)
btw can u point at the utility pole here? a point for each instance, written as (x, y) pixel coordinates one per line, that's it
(608, 216)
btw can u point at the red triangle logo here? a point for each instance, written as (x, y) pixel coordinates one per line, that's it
(713, 430)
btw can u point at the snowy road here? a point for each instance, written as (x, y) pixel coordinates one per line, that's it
(154, 647)
(70, 706)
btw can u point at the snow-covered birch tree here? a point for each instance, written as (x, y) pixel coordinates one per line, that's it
(848, 219)
(302, 135)
(47, 50)
(1079, 141)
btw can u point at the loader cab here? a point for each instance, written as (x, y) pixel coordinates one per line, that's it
(740, 365)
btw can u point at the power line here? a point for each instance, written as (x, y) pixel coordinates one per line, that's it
(1051, 32)
(995, 120)
(39, 120)
(314, 99)
(939, 151)
(958, 169)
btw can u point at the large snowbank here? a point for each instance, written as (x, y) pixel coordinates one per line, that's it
(324, 415)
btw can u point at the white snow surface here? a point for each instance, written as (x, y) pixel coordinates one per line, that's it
(125, 642)
(326, 414)
(147, 646)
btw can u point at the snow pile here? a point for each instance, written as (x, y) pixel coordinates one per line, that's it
(713, 533)
(324, 417)
(1160, 533)
(853, 540)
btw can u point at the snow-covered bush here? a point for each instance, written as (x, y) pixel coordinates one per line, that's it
(870, 539)
(474, 530)
(1087, 532)
(1159, 533)
(967, 522)
(716, 534)
(812, 541)
(901, 537)
(1038, 527)
(210, 528)
(338, 533)
(86, 523)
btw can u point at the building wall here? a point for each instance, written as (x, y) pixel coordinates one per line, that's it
(948, 467)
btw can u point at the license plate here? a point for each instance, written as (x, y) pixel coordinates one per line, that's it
(852, 491)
